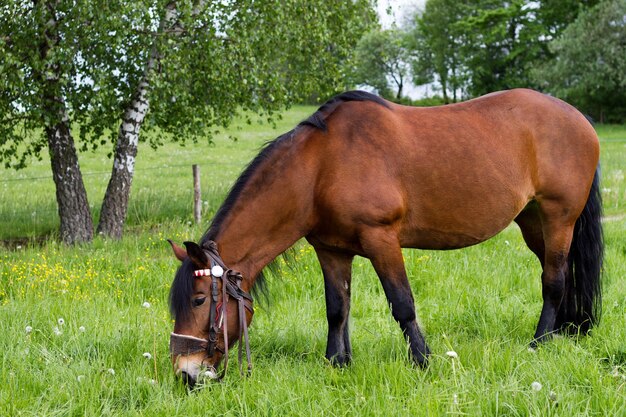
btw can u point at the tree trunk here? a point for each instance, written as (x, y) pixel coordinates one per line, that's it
(76, 223)
(400, 85)
(444, 88)
(115, 202)
(74, 214)
(454, 81)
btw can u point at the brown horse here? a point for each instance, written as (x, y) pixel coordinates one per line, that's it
(363, 176)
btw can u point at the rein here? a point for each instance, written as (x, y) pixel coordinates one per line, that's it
(218, 320)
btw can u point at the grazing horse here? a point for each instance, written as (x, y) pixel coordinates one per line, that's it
(363, 176)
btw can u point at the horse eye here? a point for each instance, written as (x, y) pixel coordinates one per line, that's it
(198, 301)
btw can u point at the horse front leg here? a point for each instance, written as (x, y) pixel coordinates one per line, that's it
(383, 250)
(337, 270)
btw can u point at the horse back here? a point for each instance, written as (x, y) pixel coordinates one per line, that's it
(450, 176)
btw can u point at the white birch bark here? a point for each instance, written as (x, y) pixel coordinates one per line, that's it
(115, 203)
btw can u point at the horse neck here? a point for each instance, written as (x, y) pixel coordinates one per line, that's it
(273, 211)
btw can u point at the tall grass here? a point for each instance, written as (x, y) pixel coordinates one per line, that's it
(482, 302)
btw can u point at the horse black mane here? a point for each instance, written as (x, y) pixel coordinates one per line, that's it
(182, 287)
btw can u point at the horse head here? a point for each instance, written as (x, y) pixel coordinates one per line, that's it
(211, 312)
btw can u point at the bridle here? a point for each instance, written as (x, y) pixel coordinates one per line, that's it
(218, 320)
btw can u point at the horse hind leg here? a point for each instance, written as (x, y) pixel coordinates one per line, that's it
(337, 270)
(557, 231)
(529, 222)
(531, 226)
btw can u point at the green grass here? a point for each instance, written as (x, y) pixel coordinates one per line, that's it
(481, 302)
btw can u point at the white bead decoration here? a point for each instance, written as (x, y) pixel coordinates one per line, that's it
(217, 271)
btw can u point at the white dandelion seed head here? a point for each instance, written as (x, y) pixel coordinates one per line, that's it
(28, 329)
(146, 304)
(81, 329)
(552, 396)
(147, 355)
(210, 373)
(61, 321)
(57, 331)
(152, 382)
(536, 386)
(111, 371)
(452, 354)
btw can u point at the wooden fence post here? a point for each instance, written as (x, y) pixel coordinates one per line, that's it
(197, 198)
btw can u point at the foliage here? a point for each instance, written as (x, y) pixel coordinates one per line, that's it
(194, 65)
(381, 62)
(589, 64)
(505, 40)
(436, 47)
(218, 59)
(475, 47)
(253, 56)
(94, 58)
(428, 101)
(501, 40)
(481, 302)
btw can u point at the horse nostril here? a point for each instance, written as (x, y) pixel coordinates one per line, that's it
(188, 379)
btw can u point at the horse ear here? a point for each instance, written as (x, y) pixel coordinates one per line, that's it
(180, 253)
(197, 255)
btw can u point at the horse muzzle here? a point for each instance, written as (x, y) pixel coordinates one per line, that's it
(189, 357)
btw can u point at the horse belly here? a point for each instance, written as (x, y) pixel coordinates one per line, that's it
(459, 227)
(461, 211)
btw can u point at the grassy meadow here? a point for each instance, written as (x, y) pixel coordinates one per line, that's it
(84, 331)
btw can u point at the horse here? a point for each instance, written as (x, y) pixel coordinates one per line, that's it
(364, 176)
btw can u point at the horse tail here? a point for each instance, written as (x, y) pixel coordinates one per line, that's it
(581, 307)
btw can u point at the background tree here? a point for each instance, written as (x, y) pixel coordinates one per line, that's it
(216, 59)
(76, 67)
(382, 62)
(589, 67)
(556, 15)
(39, 91)
(503, 40)
(481, 46)
(436, 46)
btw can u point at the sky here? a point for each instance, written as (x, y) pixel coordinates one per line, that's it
(400, 11)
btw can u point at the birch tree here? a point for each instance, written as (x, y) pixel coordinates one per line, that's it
(210, 60)
(37, 55)
(107, 72)
(115, 202)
